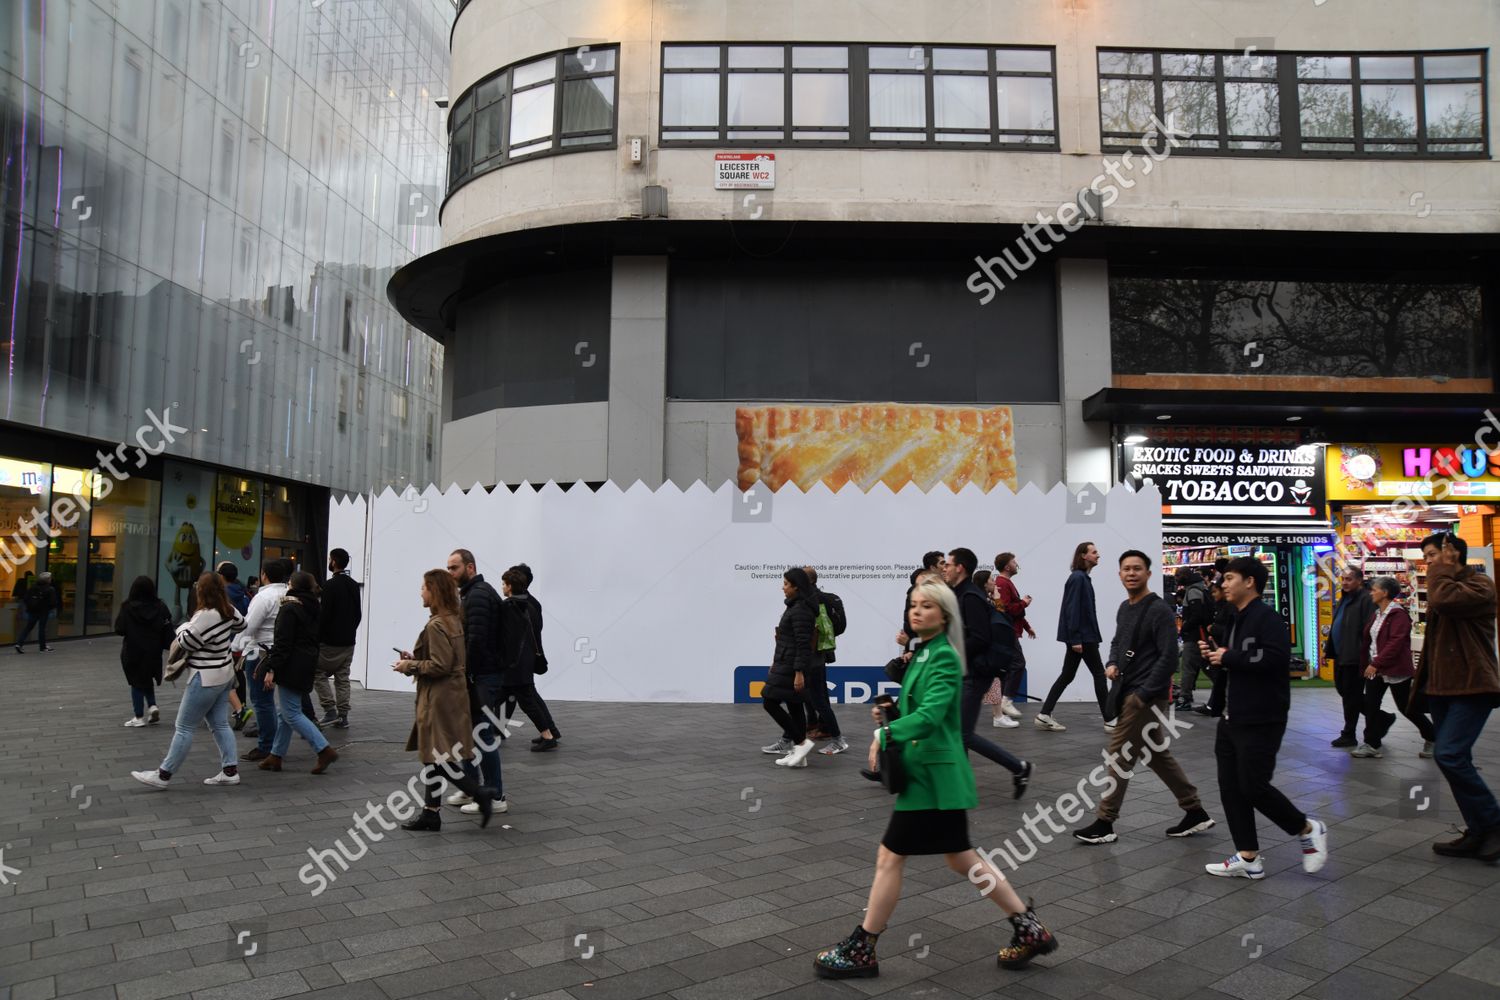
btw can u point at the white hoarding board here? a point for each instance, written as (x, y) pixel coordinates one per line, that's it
(662, 596)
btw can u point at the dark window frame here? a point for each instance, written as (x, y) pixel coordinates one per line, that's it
(463, 116)
(857, 71)
(1287, 80)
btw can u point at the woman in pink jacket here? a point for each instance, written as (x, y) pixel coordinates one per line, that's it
(1388, 665)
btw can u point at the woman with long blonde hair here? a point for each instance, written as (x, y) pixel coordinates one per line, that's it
(442, 733)
(931, 813)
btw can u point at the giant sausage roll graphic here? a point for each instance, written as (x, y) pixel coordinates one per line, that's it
(865, 444)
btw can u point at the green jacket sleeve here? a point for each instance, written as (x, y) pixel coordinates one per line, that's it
(936, 692)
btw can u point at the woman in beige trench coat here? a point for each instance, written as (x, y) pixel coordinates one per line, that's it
(442, 733)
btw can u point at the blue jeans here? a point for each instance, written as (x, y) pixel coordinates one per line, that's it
(292, 718)
(489, 690)
(198, 703)
(141, 697)
(264, 703)
(1458, 721)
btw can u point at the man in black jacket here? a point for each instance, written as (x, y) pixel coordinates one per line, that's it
(987, 653)
(1141, 657)
(40, 601)
(1256, 695)
(485, 665)
(1347, 642)
(338, 621)
(1197, 616)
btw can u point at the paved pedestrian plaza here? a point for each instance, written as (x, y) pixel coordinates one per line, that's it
(658, 853)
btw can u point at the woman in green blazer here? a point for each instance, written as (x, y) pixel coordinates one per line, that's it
(931, 815)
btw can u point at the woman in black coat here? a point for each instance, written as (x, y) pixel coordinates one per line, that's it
(291, 666)
(796, 655)
(146, 624)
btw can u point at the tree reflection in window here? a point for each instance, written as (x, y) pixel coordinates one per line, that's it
(1410, 104)
(1182, 325)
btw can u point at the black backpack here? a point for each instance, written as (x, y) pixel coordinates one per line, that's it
(38, 599)
(1002, 651)
(835, 612)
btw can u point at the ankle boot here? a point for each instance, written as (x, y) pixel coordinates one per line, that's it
(1466, 846)
(852, 958)
(326, 757)
(1030, 940)
(427, 819)
(271, 763)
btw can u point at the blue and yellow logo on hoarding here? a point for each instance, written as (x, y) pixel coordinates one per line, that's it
(846, 685)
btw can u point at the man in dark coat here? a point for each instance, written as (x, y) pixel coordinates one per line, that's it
(338, 623)
(40, 601)
(988, 651)
(485, 665)
(1347, 641)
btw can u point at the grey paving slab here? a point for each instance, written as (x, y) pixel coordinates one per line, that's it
(685, 884)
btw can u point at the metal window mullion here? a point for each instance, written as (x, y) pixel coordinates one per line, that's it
(1222, 100)
(859, 95)
(994, 86)
(930, 72)
(724, 92)
(1158, 93)
(557, 100)
(1357, 100)
(1421, 82)
(507, 100)
(1289, 100)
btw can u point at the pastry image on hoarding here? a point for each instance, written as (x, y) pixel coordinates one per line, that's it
(865, 444)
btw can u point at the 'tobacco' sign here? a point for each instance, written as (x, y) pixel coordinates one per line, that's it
(744, 171)
(1230, 480)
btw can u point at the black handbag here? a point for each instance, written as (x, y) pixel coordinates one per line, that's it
(892, 767)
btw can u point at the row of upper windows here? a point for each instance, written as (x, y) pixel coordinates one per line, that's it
(981, 97)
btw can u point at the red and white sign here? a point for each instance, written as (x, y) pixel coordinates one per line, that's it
(744, 171)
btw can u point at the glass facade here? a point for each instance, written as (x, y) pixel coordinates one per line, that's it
(203, 203)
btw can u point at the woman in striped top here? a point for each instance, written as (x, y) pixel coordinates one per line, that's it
(210, 672)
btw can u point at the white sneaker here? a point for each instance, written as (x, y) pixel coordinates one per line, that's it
(499, 806)
(458, 799)
(1315, 847)
(798, 756)
(151, 777)
(1010, 709)
(1109, 726)
(154, 716)
(1235, 866)
(1005, 722)
(134, 723)
(222, 779)
(1048, 723)
(1365, 750)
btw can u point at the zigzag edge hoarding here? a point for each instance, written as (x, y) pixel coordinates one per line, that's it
(669, 595)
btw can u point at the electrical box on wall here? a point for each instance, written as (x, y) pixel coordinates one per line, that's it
(637, 147)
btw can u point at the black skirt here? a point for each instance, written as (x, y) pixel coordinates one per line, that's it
(927, 831)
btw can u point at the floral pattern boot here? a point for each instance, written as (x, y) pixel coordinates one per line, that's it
(1031, 939)
(852, 958)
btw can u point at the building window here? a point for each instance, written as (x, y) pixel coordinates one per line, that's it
(1295, 104)
(864, 95)
(562, 102)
